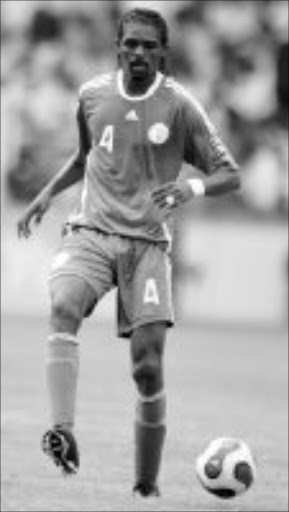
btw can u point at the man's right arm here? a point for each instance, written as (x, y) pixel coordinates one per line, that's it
(72, 172)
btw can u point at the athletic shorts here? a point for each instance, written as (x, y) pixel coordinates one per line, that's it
(139, 269)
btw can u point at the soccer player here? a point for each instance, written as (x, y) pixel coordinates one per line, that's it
(136, 127)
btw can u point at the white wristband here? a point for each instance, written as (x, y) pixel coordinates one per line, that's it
(197, 186)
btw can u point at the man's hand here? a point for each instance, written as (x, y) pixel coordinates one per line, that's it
(34, 212)
(171, 195)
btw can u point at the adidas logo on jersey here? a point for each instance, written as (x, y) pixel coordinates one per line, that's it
(131, 116)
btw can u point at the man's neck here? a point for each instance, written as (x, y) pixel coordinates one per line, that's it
(139, 89)
(137, 86)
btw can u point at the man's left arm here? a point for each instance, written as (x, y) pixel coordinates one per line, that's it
(203, 149)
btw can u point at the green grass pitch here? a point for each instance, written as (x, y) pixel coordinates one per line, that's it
(221, 382)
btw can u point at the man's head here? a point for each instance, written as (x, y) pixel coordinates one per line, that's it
(142, 41)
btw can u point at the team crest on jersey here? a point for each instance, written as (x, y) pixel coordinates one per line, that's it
(158, 133)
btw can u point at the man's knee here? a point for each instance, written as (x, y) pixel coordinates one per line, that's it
(147, 373)
(147, 352)
(65, 312)
(71, 300)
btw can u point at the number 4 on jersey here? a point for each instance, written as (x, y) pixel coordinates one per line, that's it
(106, 140)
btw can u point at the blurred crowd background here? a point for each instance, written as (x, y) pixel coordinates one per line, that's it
(232, 55)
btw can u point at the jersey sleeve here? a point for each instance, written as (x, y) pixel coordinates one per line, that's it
(203, 147)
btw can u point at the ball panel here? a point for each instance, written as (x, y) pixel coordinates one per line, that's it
(213, 468)
(223, 493)
(243, 473)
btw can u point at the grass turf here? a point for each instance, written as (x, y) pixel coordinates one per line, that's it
(221, 382)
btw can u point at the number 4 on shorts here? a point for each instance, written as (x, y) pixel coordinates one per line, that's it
(151, 292)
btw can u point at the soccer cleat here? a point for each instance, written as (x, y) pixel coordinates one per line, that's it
(61, 447)
(146, 490)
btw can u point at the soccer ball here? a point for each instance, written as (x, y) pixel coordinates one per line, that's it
(226, 467)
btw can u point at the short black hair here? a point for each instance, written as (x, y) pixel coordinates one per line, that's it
(148, 17)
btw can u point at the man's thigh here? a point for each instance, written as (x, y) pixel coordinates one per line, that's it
(84, 256)
(147, 297)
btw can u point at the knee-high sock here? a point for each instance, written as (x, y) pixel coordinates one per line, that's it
(150, 433)
(62, 375)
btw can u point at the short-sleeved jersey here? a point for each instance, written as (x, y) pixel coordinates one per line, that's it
(136, 144)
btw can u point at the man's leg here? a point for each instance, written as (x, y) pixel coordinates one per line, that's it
(71, 297)
(147, 346)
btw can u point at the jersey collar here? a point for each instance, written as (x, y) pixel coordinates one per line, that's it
(151, 90)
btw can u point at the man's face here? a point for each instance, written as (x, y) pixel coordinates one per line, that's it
(140, 51)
